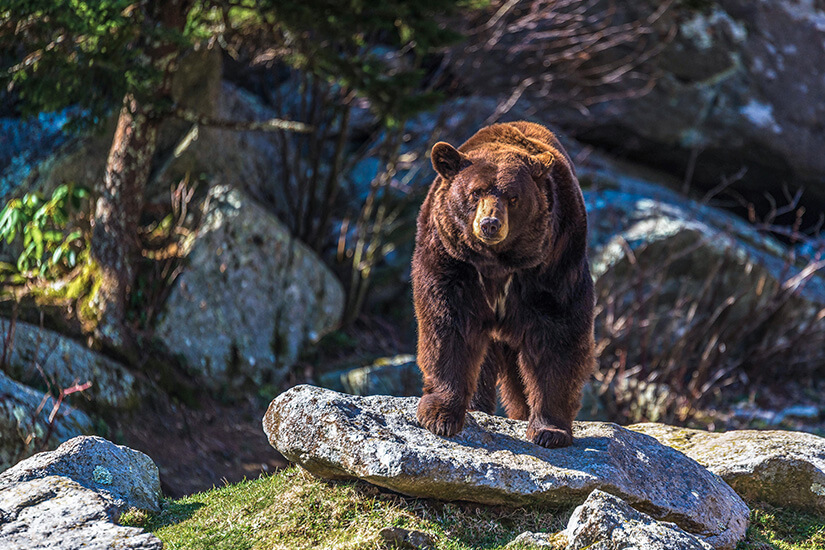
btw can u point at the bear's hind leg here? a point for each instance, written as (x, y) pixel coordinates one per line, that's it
(484, 399)
(513, 395)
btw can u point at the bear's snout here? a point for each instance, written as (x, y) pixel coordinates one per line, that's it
(490, 224)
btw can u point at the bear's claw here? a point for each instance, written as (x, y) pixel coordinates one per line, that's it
(551, 438)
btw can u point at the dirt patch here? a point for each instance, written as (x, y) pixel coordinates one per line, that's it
(200, 448)
(216, 442)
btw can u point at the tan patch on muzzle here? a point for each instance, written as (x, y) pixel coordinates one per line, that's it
(490, 225)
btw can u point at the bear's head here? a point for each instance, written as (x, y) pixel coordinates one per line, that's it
(493, 206)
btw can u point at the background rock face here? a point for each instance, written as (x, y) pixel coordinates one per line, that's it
(26, 142)
(605, 522)
(18, 405)
(651, 245)
(658, 227)
(81, 159)
(126, 477)
(66, 362)
(733, 82)
(377, 439)
(250, 298)
(778, 467)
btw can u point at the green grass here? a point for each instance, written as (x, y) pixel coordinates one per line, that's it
(783, 529)
(293, 510)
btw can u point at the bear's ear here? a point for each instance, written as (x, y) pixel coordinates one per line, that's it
(447, 160)
(542, 164)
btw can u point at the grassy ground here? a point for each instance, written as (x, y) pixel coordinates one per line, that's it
(783, 529)
(293, 510)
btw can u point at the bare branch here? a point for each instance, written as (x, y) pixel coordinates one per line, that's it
(584, 45)
(271, 125)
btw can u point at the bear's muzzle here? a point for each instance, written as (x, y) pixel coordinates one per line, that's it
(490, 225)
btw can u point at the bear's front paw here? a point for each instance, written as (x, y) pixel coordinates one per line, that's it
(550, 437)
(439, 416)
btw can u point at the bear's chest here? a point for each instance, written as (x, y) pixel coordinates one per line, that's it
(495, 293)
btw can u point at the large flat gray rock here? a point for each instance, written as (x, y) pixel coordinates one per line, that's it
(398, 376)
(779, 467)
(378, 439)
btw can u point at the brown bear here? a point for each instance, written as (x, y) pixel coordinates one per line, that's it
(502, 287)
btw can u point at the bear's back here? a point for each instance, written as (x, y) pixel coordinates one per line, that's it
(526, 137)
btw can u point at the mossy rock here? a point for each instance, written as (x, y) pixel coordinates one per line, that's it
(782, 468)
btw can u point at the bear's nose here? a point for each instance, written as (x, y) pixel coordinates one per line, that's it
(490, 227)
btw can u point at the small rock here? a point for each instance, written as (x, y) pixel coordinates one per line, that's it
(774, 418)
(56, 513)
(750, 413)
(126, 477)
(398, 376)
(396, 537)
(782, 468)
(805, 412)
(378, 439)
(606, 522)
(530, 539)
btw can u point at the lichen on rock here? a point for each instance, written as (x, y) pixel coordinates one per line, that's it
(73, 497)
(250, 297)
(125, 477)
(779, 467)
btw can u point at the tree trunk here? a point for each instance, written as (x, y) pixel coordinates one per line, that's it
(117, 212)
(117, 216)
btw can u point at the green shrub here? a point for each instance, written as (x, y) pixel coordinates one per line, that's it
(51, 231)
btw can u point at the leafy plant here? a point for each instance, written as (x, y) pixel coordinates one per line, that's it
(52, 240)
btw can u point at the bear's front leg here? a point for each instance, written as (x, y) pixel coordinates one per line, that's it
(450, 362)
(554, 363)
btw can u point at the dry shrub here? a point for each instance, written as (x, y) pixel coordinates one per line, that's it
(569, 51)
(676, 332)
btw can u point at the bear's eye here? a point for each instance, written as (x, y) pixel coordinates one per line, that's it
(476, 194)
(513, 201)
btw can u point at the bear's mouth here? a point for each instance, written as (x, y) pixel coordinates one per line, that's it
(488, 241)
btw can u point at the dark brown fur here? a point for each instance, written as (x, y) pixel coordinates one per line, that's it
(534, 342)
